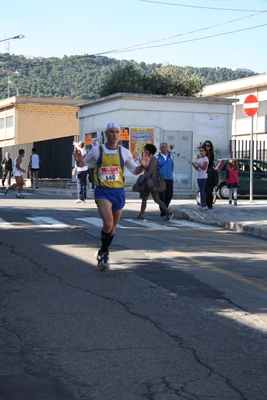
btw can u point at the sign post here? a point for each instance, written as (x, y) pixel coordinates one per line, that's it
(250, 108)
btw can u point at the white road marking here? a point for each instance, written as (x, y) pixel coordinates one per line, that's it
(47, 221)
(12, 192)
(95, 221)
(148, 224)
(195, 225)
(51, 222)
(4, 223)
(185, 223)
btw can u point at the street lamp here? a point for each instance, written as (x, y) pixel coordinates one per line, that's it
(13, 37)
(12, 83)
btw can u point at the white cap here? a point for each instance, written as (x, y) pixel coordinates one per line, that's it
(112, 125)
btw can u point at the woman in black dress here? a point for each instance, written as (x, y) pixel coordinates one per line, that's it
(209, 184)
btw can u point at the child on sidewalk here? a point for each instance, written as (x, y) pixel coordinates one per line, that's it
(201, 165)
(232, 180)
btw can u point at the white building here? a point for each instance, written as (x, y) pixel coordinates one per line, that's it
(239, 89)
(184, 122)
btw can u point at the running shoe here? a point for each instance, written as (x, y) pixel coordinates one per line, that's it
(19, 196)
(102, 261)
(6, 190)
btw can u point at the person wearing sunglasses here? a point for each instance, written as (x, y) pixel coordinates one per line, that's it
(209, 183)
(110, 159)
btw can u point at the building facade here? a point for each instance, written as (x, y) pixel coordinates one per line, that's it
(183, 122)
(243, 126)
(32, 119)
(48, 124)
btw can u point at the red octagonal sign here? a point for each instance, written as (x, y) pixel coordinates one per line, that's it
(251, 105)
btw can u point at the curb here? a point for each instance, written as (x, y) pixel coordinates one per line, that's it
(254, 229)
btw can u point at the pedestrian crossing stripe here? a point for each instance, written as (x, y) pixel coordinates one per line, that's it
(194, 225)
(148, 224)
(47, 221)
(96, 222)
(4, 223)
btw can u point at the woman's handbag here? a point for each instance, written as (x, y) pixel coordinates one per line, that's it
(159, 184)
(137, 187)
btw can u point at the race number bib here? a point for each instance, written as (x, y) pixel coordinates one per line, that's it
(109, 174)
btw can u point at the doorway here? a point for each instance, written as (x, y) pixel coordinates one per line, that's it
(181, 152)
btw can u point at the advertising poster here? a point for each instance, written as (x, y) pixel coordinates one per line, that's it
(139, 137)
(124, 137)
(88, 140)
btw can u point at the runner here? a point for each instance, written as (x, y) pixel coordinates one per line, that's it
(17, 173)
(110, 160)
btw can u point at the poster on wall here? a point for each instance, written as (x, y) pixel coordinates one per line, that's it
(97, 138)
(139, 137)
(124, 137)
(90, 140)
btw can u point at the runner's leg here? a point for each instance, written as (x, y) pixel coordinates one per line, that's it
(110, 220)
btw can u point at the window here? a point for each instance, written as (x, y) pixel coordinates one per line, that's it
(9, 121)
(2, 123)
(260, 166)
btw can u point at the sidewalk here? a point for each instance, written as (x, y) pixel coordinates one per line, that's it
(246, 217)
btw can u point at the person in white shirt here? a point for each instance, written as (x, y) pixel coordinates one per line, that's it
(201, 165)
(17, 173)
(81, 174)
(110, 160)
(34, 167)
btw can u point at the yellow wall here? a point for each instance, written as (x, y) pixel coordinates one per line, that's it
(43, 122)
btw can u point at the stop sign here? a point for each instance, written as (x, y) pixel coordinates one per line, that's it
(251, 105)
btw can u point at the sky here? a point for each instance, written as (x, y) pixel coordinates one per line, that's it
(196, 33)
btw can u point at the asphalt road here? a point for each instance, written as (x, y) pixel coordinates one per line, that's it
(180, 315)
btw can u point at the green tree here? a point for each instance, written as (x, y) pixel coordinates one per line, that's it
(174, 81)
(165, 80)
(126, 77)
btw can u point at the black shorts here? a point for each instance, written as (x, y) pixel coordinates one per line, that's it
(34, 169)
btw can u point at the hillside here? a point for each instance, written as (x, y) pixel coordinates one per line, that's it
(79, 76)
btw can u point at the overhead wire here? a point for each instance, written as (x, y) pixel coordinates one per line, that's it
(190, 32)
(140, 46)
(203, 7)
(189, 40)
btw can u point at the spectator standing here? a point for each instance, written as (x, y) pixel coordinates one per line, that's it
(232, 180)
(149, 176)
(201, 165)
(34, 167)
(81, 174)
(110, 160)
(209, 184)
(7, 169)
(166, 165)
(17, 173)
